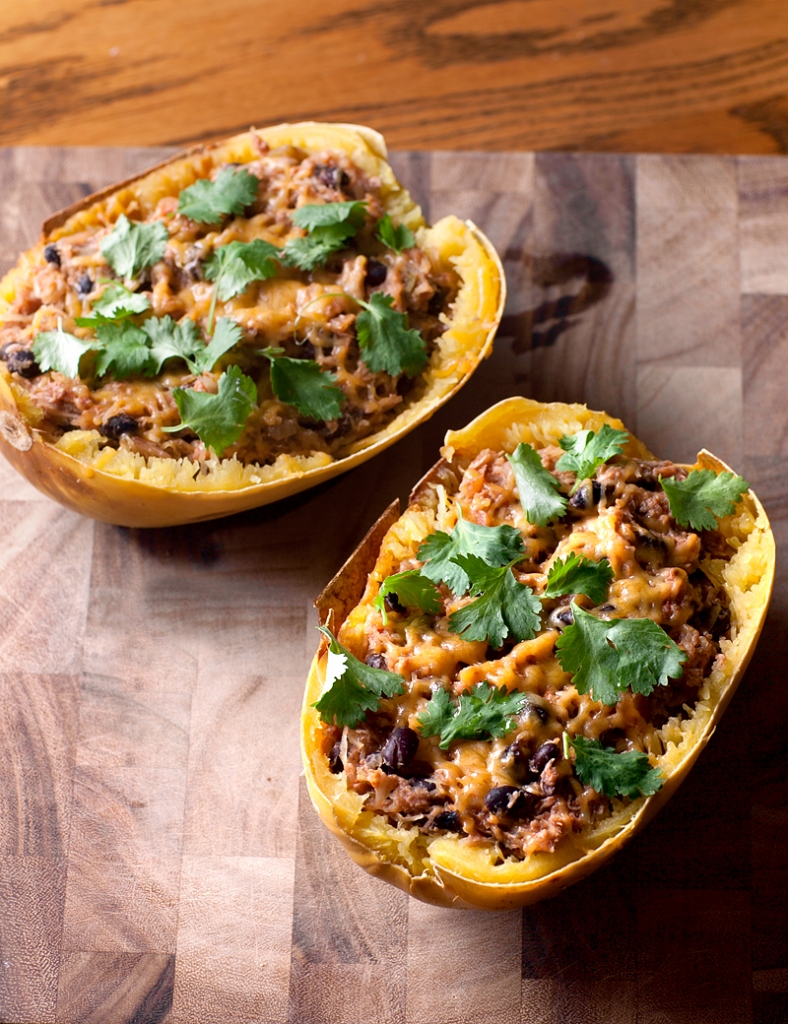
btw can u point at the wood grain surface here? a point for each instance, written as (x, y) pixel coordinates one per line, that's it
(619, 75)
(159, 858)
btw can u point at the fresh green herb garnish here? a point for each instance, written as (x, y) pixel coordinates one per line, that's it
(386, 343)
(586, 450)
(59, 350)
(116, 302)
(396, 238)
(607, 658)
(413, 589)
(488, 711)
(301, 383)
(495, 545)
(329, 226)
(579, 575)
(218, 420)
(122, 350)
(131, 246)
(237, 264)
(503, 606)
(611, 774)
(352, 688)
(206, 202)
(537, 488)
(183, 340)
(704, 497)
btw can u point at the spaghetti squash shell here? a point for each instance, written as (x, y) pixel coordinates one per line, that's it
(445, 870)
(128, 490)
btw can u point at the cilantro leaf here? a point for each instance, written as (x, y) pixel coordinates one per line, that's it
(226, 336)
(579, 575)
(59, 350)
(503, 605)
(301, 382)
(586, 450)
(413, 590)
(611, 774)
(123, 350)
(352, 688)
(237, 264)
(329, 226)
(704, 497)
(496, 545)
(386, 342)
(606, 658)
(537, 488)
(488, 711)
(396, 238)
(218, 420)
(168, 340)
(131, 246)
(313, 216)
(116, 302)
(206, 201)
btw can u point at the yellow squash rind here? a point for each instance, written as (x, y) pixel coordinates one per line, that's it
(126, 489)
(446, 870)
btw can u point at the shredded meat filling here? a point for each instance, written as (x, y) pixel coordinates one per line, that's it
(521, 792)
(288, 311)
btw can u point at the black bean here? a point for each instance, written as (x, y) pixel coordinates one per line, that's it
(393, 604)
(376, 661)
(560, 618)
(448, 820)
(544, 755)
(376, 273)
(400, 748)
(418, 782)
(606, 608)
(51, 255)
(596, 491)
(23, 362)
(335, 765)
(84, 285)
(118, 425)
(332, 177)
(506, 800)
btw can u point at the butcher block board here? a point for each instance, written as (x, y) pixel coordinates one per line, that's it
(159, 857)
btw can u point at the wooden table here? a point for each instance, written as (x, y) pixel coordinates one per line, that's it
(618, 75)
(159, 857)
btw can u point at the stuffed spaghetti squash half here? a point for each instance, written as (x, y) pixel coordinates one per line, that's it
(517, 672)
(244, 321)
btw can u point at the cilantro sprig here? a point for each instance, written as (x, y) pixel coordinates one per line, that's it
(328, 225)
(234, 266)
(352, 688)
(58, 350)
(387, 344)
(495, 545)
(704, 497)
(607, 658)
(183, 340)
(301, 383)
(503, 605)
(397, 237)
(218, 420)
(585, 450)
(537, 488)
(627, 774)
(413, 589)
(116, 302)
(579, 575)
(487, 711)
(207, 202)
(132, 246)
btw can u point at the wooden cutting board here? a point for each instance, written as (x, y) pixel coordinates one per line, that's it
(159, 858)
